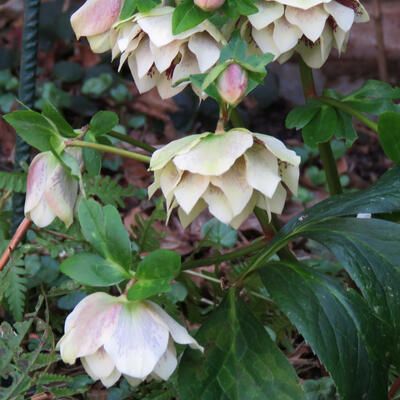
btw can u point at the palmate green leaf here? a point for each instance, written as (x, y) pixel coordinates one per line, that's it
(240, 361)
(389, 134)
(186, 16)
(338, 325)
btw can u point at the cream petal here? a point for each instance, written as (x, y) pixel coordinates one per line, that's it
(286, 35)
(301, 18)
(133, 381)
(218, 204)
(290, 176)
(169, 178)
(89, 325)
(262, 170)
(344, 16)
(42, 215)
(126, 33)
(61, 193)
(239, 219)
(277, 203)
(144, 58)
(341, 37)
(38, 172)
(283, 58)
(304, 4)
(168, 362)
(99, 364)
(278, 149)
(165, 88)
(132, 46)
(163, 56)
(190, 189)
(187, 219)
(235, 186)
(361, 13)
(95, 16)
(146, 83)
(155, 185)
(205, 49)
(138, 342)
(170, 209)
(112, 379)
(187, 66)
(158, 28)
(265, 40)
(100, 43)
(177, 331)
(268, 12)
(162, 156)
(215, 154)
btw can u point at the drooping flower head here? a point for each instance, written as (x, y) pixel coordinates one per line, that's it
(113, 336)
(308, 27)
(230, 173)
(157, 57)
(51, 190)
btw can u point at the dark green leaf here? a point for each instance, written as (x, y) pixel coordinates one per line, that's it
(91, 157)
(220, 233)
(240, 362)
(103, 122)
(34, 128)
(128, 9)
(58, 120)
(186, 16)
(235, 50)
(159, 264)
(91, 269)
(389, 134)
(299, 117)
(345, 128)
(337, 324)
(147, 5)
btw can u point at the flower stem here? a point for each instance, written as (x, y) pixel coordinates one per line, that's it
(325, 150)
(128, 139)
(351, 111)
(109, 149)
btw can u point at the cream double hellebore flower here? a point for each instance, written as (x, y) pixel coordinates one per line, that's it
(157, 58)
(115, 337)
(309, 27)
(230, 172)
(94, 21)
(51, 191)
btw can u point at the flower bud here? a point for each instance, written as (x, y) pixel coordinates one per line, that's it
(232, 84)
(209, 5)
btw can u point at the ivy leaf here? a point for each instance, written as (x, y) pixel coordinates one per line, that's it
(240, 361)
(337, 324)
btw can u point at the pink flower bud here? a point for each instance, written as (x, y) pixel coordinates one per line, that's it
(232, 84)
(209, 5)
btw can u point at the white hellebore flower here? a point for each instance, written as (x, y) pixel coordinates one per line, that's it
(157, 58)
(230, 172)
(113, 336)
(309, 27)
(51, 190)
(94, 21)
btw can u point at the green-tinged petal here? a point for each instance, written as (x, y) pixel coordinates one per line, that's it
(311, 22)
(218, 204)
(169, 178)
(190, 189)
(268, 12)
(278, 149)
(138, 342)
(276, 204)
(98, 365)
(215, 154)
(170, 209)
(155, 185)
(178, 332)
(100, 43)
(290, 176)
(361, 13)
(168, 362)
(162, 156)
(187, 219)
(239, 219)
(133, 381)
(111, 379)
(262, 170)
(235, 186)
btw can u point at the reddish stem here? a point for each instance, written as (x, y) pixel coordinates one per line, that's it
(18, 236)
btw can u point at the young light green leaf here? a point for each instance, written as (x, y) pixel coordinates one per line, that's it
(144, 289)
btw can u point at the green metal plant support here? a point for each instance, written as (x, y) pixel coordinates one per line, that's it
(26, 93)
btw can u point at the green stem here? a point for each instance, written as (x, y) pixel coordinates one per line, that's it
(128, 139)
(236, 119)
(258, 245)
(109, 149)
(350, 110)
(325, 150)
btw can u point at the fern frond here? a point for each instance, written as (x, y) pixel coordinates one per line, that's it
(107, 190)
(15, 181)
(46, 379)
(15, 291)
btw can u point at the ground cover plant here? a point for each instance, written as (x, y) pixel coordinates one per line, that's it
(151, 261)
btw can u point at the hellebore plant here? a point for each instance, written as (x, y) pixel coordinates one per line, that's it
(350, 319)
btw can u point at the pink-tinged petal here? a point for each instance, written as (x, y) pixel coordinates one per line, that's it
(98, 365)
(89, 325)
(61, 193)
(167, 364)
(138, 343)
(37, 178)
(42, 215)
(95, 17)
(178, 332)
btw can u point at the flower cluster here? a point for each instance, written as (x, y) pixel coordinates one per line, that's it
(115, 337)
(308, 27)
(230, 172)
